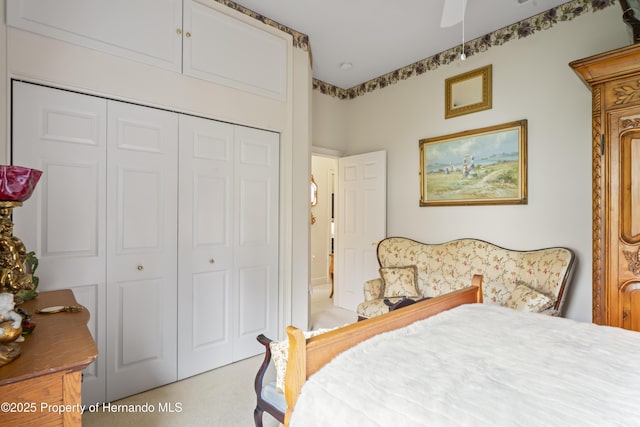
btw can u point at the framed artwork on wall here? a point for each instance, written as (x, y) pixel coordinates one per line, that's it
(486, 166)
(468, 92)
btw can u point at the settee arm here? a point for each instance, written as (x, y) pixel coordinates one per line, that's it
(373, 289)
(265, 363)
(270, 400)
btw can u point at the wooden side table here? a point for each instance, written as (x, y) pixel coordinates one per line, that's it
(42, 387)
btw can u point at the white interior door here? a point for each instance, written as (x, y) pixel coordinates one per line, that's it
(141, 248)
(64, 135)
(205, 254)
(360, 224)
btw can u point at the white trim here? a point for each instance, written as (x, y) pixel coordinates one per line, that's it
(326, 152)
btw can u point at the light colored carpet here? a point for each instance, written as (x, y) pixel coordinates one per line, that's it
(323, 314)
(222, 397)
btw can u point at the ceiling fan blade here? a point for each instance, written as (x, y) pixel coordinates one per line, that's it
(453, 12)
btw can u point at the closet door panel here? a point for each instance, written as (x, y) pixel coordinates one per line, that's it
(140, 323)
(139, 210)
(70, 231)
(256, 285)
(141, 248)
(64, 135)
(205, 260)
(211, 327)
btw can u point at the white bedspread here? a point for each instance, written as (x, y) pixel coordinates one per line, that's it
(480, 365)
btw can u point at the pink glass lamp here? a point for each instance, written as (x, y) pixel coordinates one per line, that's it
(16, 185)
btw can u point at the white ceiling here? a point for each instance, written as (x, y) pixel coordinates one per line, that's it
(380, 36)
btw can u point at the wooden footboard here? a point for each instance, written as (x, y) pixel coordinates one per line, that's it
(308, 356)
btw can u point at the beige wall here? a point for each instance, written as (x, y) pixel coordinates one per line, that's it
(329, 122)
(38, 59)
(531, 80)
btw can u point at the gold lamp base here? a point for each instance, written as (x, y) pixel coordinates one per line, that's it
(13, 255)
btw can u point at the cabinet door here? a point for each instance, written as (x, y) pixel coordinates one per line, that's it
(64, 135)
(625, 193)
(630, 296)
(255, 285)
(143, 30)
(205, 255)
(230, 52)
(141, 248)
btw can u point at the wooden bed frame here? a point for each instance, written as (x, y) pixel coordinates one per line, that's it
(307, 356)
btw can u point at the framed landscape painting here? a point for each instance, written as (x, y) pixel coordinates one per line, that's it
(485, 166)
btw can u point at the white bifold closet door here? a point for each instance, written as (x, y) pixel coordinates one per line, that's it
(142, 196)
(103, 221)
(164, 225)
(228, 252)
(64, 135)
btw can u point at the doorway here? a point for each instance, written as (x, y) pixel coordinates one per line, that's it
(322, 236)
(348, 218)
(323, 313)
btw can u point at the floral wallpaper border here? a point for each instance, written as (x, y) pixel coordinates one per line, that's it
(521, 29)
(300, 40)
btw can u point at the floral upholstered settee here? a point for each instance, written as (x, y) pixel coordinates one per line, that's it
(533, 280)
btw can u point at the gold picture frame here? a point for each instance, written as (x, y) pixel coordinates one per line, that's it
(468, 93)
(486, 166)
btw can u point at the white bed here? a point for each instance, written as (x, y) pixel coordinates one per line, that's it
(477, 365)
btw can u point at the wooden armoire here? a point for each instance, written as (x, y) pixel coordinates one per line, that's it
(614, 79)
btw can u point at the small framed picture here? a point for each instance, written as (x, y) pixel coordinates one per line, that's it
(467, 93)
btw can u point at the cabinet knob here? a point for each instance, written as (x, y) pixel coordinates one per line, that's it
(178, 31)
(140, 267)
(212, 261)
(188, 34)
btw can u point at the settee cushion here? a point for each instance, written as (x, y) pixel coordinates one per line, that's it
(400, 281)
(376, 307)
(523, 298)
(276, 398)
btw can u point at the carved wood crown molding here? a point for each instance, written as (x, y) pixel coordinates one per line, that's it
(518, 30)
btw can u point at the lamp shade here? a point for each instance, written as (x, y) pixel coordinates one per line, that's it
(17, 183)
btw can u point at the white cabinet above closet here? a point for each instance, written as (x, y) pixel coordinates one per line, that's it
(180, 35)
(143, 30)
(225, 50)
